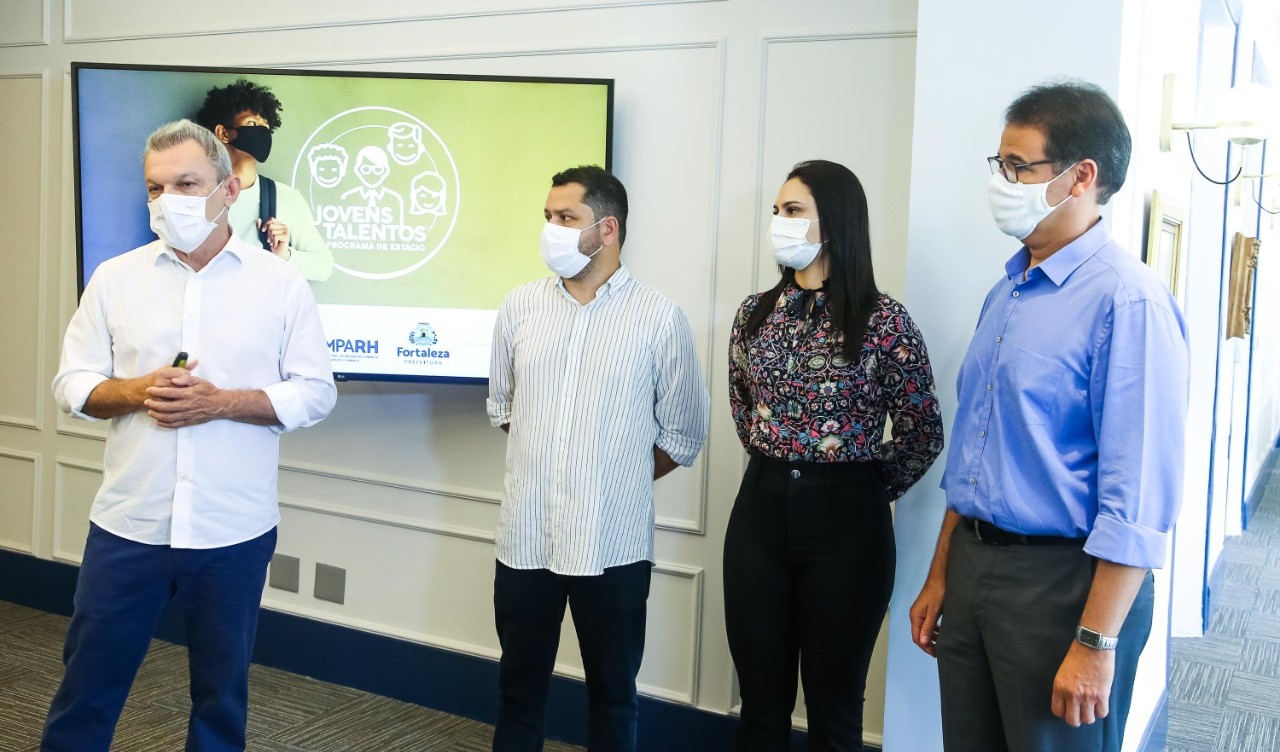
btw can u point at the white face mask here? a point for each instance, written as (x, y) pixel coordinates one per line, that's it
(560, 249)
(179, 220)
(789, 245)
(1018, 208)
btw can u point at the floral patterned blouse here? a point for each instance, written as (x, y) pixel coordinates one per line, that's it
(796, 397)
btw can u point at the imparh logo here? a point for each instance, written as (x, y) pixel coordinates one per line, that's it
(423, 334)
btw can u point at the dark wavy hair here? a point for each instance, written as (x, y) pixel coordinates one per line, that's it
(222, 104)
(1079, 121)
(846, 237)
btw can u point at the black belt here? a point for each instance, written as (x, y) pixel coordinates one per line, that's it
(991, 535)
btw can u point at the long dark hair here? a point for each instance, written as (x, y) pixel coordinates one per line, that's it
(846, 237)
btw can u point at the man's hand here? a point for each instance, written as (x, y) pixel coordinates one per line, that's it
(1082, 688)
(926, 613)
(277, 236)
(186, 400)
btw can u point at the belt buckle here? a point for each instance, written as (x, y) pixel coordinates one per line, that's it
(993, 541)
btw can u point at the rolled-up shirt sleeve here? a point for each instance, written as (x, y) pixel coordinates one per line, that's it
(1139, 405)
(86, 355)
(682, 406)
(502, 382)
(306, 393)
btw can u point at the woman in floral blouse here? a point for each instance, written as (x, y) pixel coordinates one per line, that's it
(817, 364)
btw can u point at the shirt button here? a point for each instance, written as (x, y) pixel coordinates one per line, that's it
(185, 477)
(999, 340)
(982, 434)
(990, 387)
(973, 481)
(795, 474)
(1016, 293)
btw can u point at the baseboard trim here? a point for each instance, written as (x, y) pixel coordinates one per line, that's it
(434, 677)
(1155, 738)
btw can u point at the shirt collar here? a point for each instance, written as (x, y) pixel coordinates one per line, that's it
(615, 282)
(1066, 260)
(237, 248)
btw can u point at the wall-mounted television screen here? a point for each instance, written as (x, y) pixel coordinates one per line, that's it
(413, 202)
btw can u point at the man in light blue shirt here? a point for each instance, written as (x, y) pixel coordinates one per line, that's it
(1065, 470)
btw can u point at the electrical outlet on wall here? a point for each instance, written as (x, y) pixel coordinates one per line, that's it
(284, 573)
(331, 583)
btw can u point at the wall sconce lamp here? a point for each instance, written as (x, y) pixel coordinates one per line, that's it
(1246, 116)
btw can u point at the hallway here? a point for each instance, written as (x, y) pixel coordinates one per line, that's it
(1224, 688)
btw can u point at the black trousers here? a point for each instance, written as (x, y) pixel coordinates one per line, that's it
(808, 570)
(609, 617)
(1008, 619)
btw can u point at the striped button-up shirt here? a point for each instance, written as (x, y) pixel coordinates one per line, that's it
(589, 391)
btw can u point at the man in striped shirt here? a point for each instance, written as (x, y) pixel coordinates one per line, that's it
(596, 379)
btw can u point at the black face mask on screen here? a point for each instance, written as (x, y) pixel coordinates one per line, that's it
(254, 140)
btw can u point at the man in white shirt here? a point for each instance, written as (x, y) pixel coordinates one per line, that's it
(596, 379)
(187, 509)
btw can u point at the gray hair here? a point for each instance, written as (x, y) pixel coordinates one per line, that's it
(172, 134)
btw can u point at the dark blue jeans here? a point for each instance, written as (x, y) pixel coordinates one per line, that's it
(609, 617)
(122, 590)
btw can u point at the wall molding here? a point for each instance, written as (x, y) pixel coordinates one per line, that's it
(694, 574)
(382, 480)
(36, 422)
(70, 37)
(34, 458)
(44, 31)
(766, 42)
(59, 503)
(693, 43)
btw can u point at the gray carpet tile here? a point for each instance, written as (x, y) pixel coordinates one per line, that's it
(1243, 731)
(1193, 726)
(1224, 688)
(287, 712)
(1201, 683)
(1230, 622)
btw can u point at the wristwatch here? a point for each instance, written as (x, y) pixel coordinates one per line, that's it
(1095, 640)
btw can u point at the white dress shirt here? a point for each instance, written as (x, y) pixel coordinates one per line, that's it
(589, 390)
(250, 320)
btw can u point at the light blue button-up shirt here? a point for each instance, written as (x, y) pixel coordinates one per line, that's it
(1072, 404)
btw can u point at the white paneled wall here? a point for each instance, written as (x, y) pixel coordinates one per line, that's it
(715, 100)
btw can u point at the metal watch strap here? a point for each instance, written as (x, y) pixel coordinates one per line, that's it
(1095, 640)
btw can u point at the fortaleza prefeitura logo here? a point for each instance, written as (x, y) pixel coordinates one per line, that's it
(383, 188)
(422, 336)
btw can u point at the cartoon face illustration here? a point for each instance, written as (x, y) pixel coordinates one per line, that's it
(404, 142)
(372, 166)
(428, 194)
(328, 164)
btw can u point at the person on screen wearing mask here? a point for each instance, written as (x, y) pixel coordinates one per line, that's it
(187, 510)
(817, 364)
(595, 376)
(243, 115)
(1065, 473)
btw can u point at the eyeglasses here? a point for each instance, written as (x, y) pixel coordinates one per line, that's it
(1011, 170)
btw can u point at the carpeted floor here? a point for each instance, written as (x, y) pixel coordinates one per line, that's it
(1224, 688)
(287, 712)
